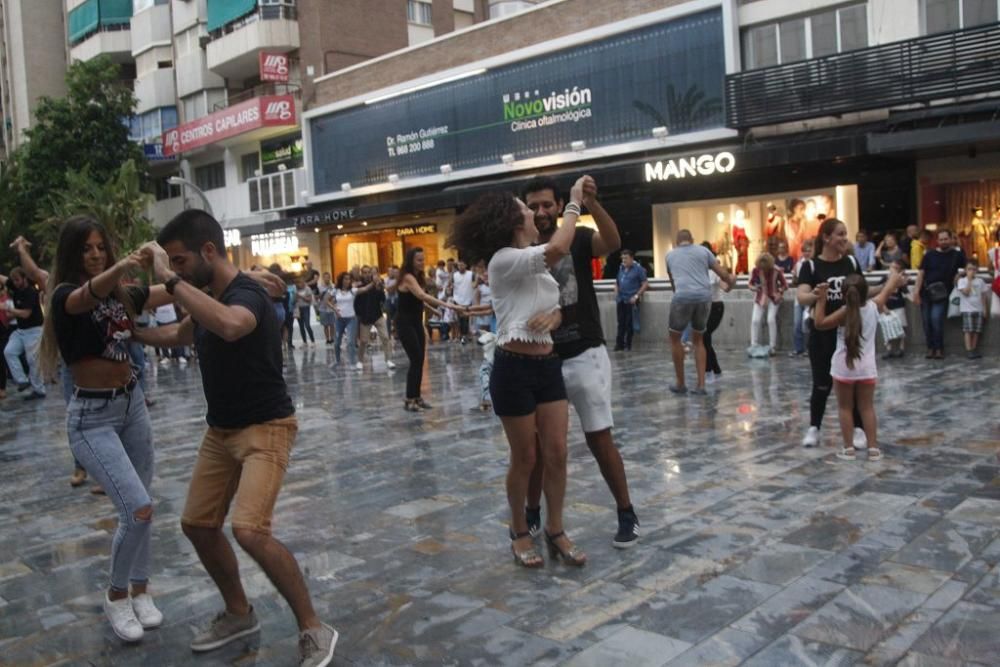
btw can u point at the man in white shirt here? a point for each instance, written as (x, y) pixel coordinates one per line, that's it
(441, 278)
(463, 290)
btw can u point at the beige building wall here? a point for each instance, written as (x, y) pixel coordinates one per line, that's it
(34, 41)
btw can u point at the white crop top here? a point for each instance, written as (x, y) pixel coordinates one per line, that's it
(522, 287)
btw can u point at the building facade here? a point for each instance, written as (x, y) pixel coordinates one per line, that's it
(698, 114)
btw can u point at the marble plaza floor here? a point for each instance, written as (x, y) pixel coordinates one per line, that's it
(754, 550)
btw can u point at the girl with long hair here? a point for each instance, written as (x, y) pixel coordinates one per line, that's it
(526, 384)
(90, 326)
(830, 264)
(853, 365)
(413, 298)
(768, 285)
(347, 321)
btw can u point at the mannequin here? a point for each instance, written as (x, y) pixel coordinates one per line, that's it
(774, 228)
(795, 229)
(741, 242)
(723, 246)
(980, 235)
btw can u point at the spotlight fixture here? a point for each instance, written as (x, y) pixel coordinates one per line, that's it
(579, 146)
(394, 178)
(345, 186)
(660, 132)
(507, 158)
(446, 169)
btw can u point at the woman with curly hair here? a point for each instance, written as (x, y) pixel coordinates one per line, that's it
(527, 383)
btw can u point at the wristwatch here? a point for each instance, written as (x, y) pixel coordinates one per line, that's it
(172, 283)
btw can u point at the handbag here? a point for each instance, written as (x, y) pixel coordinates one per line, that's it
(937, 292)
(955, 304)
(891, 327)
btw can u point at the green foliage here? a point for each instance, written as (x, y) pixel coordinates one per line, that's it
(118, 203)
(77, 152)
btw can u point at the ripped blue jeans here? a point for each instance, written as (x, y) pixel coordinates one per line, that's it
(113, 440)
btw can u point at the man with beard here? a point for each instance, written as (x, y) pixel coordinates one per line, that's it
(579, 341)
(251, 427)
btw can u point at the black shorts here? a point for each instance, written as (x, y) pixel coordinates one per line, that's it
(520, 382)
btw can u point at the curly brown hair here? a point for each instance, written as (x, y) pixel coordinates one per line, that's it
(486, 226)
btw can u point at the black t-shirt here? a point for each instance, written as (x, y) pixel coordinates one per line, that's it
(897, 299)
(103, 332)
(311, 274)
(242, 379)
(816, 271)
(581, 319)
(941, 267)
(27, 298)
(368, 305)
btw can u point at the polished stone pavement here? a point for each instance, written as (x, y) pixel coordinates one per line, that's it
(754, 550)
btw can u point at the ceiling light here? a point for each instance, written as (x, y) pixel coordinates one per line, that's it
(507, 158)
(345, 186)
(579, 146)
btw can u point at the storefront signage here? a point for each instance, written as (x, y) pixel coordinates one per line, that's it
(324, 217)
(604, 93)
(266, 111)
(419, 229)
(274, 66)
(232, 237)
(695, 165)
(285, 150)
(278, 242)
(154, 152)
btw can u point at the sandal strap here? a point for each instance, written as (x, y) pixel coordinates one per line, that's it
(561, 533)
(517, 536)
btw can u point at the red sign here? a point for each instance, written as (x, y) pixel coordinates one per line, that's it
(266, 111)
(274, 66)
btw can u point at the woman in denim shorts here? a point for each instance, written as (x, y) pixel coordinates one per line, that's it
(526, 384)
(90, 325)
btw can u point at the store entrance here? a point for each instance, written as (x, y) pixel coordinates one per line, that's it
(382, 248)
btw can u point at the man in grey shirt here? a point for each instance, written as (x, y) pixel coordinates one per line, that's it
(688, 266)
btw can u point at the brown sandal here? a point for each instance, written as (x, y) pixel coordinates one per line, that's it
(574, 556)
(530, 557)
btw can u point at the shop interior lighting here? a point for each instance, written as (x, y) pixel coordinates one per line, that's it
(340, 226)
(446, 169)
(424, 86)
(507, 158)
(278, 242)
(345, 187)
(364, 224)
(316, 229)
(232, 237)
(660, 132)
(394, 178)
(579, 146)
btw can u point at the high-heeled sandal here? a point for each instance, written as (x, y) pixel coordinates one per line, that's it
(422, 404)
(529, 557)
(574, 556)
(411, 406)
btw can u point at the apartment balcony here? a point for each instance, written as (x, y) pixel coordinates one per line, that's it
(155, 90)
(193, 74)
(114, 41)
(949, 66)
(278, 191)
(233, 48)
(151, 27)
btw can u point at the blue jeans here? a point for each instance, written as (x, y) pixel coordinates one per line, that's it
(350, 325)
(798, 335)
(934, 315)
(26, 342)
(113, 439)
(137, 353)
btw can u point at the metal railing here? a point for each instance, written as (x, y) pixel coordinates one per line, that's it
(265, 11)
(259, 90)
(275, 192)
(914, 71)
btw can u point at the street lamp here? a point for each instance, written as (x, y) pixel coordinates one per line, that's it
(185, 183)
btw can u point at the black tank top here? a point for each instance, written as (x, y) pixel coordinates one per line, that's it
(411, 309)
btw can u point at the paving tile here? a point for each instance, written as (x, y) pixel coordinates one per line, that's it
(966, 632)
(632, 647)
(792, 651)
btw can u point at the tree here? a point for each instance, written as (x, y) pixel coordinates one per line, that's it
(85, 134)
(119, 204)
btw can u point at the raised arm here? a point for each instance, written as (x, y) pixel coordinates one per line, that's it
(84, 298)
(820, 319)
(560, 243)
(607, 239)
(35, 273)
(170, 335)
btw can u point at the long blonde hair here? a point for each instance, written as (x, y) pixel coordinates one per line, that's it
(855, 296)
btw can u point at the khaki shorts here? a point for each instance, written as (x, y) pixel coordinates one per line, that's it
(245, 464)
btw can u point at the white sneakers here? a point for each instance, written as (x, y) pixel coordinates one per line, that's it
(860, 439)
(122, 618)
(149, 616)
(812, 437)
(390, 365)
(359, 366)
(131, 615)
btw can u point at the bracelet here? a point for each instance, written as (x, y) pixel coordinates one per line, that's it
(572, 207)
(90, 288)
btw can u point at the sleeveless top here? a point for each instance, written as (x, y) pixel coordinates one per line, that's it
(410, 309)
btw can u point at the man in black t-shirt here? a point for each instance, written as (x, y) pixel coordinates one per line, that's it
(368, 309)
(251, 427)
(938, 273)
(25, 305)
(579, 341)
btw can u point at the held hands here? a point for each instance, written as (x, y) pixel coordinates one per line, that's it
(589, 191)
(156, 258)
(576, 193)
(821, 291)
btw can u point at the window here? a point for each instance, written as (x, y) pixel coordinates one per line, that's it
(164, 190)
(946, 15)
(249, 164)
(418, 12)
(210, 176)
(812, 36)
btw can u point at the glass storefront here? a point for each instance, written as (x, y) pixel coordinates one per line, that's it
(969, 208)
(740, 229)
